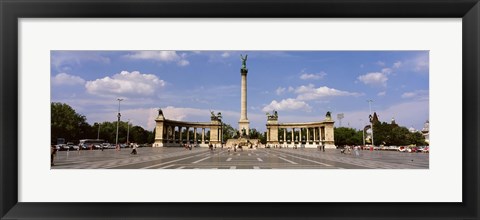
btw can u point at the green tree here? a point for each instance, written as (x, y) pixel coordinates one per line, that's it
(416, 138)
(347, 136)
(228, 132)
(68, 124)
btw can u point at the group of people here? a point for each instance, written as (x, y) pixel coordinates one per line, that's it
(349, 149)
(321, 147)
(211, 147)
(187, 146)
(235, 146)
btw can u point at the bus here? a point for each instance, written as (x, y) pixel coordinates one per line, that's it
(60, 141)
(86, 143)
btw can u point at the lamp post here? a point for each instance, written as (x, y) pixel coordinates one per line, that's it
(98, 134)
(371, 121)
(128, 131)
(118, 121)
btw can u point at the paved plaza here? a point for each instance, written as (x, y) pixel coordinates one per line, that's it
(261, 158)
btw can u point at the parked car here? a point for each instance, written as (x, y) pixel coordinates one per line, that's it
(413, 150)
(97, 146)
(64, 147)
(69, 145)
(426, 149)
(402, 149)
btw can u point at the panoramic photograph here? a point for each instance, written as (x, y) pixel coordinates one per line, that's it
(158, 109)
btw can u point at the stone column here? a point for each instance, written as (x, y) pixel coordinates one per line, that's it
(293, 135)
(243, 122)
(308, 138)
(203, 135)
(195, 134)
(180, 138)
(314, 134)
(300, 135)
(284, 135)
(173, 134)
(188, 135)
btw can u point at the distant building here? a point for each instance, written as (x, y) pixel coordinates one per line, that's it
(426, 131)
(374, 119)
(393, 121)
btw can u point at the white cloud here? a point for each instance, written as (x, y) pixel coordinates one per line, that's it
(60, 59)
(314, 76)
(382, 93)
(418, 63)
(309, 92)
(66, 79)
(164, 56)
(167, 56)
(183, 63)
(291, 89)
(374, 79)
(397, 64)
(387, 70)
(406, 114)
(280, 90)
(408, 95)
(225, 55)
(418, 94)
(125, 84)
(421, 63)
(287, 104)
(380, 63)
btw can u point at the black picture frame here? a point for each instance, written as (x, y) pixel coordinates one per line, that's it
(12, 10)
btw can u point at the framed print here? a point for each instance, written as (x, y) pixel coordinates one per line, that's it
(248, 110)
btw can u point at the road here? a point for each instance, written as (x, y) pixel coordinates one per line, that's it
(202, 158)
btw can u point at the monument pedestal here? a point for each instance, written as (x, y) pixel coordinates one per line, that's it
(244, 124)
(244, 142)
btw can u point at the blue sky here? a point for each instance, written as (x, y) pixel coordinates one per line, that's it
(301, 85)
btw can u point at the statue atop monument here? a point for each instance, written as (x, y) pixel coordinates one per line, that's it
(273, 116)
(328, 116)
(244, 61)
(215, 117)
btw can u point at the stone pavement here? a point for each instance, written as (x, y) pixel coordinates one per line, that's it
(261, 158)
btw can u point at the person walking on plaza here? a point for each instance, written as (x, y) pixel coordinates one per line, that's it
(134, 149)
(53, 152)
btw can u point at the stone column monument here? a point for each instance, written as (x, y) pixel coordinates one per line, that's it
(243, 123)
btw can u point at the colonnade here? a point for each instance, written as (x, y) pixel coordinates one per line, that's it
(170, 132)
(175, 133)
(307, 134)
(304, 135)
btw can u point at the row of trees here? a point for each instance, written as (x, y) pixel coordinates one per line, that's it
(67, 123)
(383, 134)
